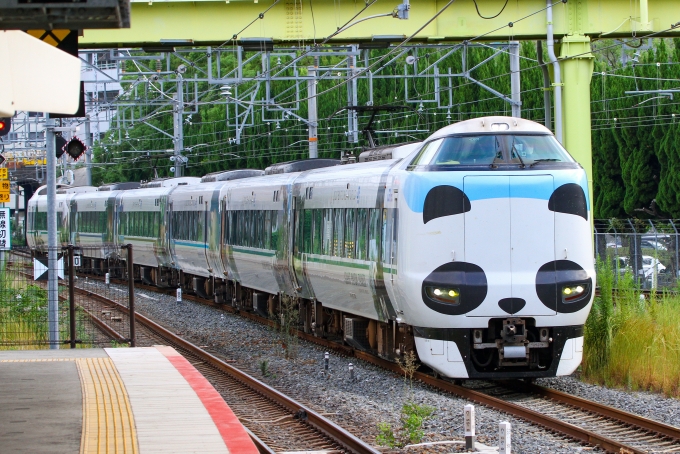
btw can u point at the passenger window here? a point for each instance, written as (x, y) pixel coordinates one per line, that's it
(385, 244)
(275, 230)
(362, 224)
(267, 229)
(327, 231)
(307, 231)
(350, 232)
(338, 222)
(375, 226)
(318, 231)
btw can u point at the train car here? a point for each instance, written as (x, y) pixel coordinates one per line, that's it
(142, 220)
(215, 224)
(507, 281)
(472, 249)
(93, 223)
(195, 239)
(36, 219)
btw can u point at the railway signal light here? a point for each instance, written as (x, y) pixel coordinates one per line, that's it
(59, 145)
(75, 148)
(5, 126)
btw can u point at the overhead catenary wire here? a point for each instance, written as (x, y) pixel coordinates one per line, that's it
(618, 44)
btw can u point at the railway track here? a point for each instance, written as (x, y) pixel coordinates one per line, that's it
(276, 422)
(609, 428)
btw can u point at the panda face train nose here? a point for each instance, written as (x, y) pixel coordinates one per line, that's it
(512, 305)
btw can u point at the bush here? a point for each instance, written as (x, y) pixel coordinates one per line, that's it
(630, 341)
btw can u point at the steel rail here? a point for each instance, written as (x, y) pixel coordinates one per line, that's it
(314, 419)
(606, 411)
(540, 419)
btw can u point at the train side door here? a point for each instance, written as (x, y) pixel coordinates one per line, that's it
(302, 230)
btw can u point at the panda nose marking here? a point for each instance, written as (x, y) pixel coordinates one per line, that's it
(512, 305)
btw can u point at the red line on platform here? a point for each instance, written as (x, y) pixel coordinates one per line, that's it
(230, 428)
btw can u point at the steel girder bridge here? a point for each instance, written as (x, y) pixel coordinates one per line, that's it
(238, 26)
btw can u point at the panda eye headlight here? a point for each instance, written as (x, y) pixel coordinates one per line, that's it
(574, 292)
(444, 294)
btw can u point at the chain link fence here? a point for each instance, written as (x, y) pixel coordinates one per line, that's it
(80, 315)
(647, 249)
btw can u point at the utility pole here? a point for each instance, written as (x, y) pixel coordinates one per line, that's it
(515, 85)
(312, 114)
(352, 99)
(52, 284)
(179, 128)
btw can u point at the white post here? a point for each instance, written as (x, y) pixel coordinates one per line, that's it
(179, 295)
(470, 427)
(504, 445)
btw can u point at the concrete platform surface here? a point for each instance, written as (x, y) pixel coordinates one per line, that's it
(124, 400)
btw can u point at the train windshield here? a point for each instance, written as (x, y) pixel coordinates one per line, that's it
(489, 149)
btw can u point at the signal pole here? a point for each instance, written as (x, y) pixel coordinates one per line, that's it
(52, 284)
(312, 113)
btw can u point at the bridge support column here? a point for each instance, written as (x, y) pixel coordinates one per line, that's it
(576, 63)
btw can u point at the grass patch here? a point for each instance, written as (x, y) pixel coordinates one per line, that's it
(23, 314)
(632, 342)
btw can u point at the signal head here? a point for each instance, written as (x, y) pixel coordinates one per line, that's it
(5, 125)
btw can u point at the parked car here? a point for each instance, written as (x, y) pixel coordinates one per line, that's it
(652, 244)
(649, 266)
(615, 244)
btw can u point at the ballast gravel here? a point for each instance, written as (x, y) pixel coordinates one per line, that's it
(375, 395)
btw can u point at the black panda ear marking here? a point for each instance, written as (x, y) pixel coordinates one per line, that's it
(569, 199)
(444, 201)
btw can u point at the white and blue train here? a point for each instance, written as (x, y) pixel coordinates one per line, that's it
(472, 248)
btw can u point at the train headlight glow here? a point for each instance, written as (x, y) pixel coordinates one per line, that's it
(444, 295)
(573, 292)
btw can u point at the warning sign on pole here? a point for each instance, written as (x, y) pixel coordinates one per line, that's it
(5, 232)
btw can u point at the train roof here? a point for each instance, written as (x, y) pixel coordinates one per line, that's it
(170, 182)
(300, 165)
(70, 189)
(386, 152)
(490, 125)
(231, 175)
(119, 186)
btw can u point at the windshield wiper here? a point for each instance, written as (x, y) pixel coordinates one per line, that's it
(536, 161)
(516, 153)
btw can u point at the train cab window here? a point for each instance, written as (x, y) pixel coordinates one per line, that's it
(361, 236)
(530, 149)
(488, 149)
(350, 232)
(318, 231)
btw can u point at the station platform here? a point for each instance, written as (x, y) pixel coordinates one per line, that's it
(112, 400)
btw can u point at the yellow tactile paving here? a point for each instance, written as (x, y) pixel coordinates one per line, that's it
(108, 423)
